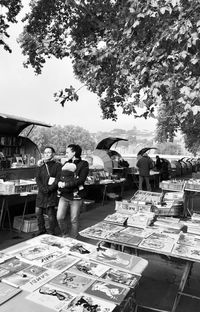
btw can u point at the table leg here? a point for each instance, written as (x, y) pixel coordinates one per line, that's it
(24, 212)
(104, 194)
(184, 278)
(2, 211)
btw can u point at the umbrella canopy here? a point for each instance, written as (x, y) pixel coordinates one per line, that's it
(145, 149)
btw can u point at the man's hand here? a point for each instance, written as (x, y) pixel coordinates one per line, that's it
(61, 184)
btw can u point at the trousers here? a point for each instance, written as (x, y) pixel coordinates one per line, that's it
(51, 212)
(141, 179)
(74, 206)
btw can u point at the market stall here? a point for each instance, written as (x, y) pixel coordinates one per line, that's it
(18, 162)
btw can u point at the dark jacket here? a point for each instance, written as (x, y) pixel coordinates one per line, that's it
(47, 194)
(144, 164)
(80, 175)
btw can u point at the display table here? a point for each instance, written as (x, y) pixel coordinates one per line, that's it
(103, 187)
(154, 177)
(136, 248)
(33, 252)
(6, 199)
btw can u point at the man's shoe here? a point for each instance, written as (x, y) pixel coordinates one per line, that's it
(38, 233)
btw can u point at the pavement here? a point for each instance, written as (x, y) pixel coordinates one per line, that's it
(159, 283)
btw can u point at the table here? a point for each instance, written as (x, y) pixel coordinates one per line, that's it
(103, 186)
(5, 209)
(185, 274)
(20, 303)
(154, 176)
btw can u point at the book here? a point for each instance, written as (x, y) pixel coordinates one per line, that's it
(7, 292)
(14, 264)
(89, 267)
(107, 291)
(51, 297)
(71, 281)
(121, 277)
(120, 260)
(88, 303)
(62, 263)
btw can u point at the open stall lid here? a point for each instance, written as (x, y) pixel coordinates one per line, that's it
(145, 149)
(106, 143)
(13, 125)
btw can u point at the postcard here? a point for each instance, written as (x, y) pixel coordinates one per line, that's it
(14, 265)
(51, 297)
(7, 292)
(121, 277)
(71, 281)
(88, 267)
(62, 263)
(89, 303)
(107, 291)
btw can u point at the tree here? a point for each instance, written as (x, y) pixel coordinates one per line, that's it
(59, 137)
(169, 148)
(8, 13)
(128, 52)
(191, 130)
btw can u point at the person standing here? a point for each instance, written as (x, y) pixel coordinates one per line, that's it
(47, 178)
(72, 192)
(144, 164)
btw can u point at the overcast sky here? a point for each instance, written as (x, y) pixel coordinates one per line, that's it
(24, 94)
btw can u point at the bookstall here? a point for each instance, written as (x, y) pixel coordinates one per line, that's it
(65, 274)
(18, 159)
(136, 228)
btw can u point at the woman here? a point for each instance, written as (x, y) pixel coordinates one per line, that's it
(47, 178)
(69, 190)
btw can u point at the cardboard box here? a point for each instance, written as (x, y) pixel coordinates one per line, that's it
(29, 224)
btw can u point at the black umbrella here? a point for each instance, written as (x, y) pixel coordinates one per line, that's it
(144, 150)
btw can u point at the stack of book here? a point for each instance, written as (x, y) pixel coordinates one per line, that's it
(141, 220)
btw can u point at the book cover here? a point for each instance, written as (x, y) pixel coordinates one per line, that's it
(7, 292)
(51, 297)
(88, 267)
(71, 281)
(62, 263)
(121, 277)
(107, 291)
(89, 303)
(14, 265)
(119, 259)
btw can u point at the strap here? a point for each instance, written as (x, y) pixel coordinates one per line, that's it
(47, 169)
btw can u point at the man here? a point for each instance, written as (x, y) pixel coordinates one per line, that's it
(144, 164)
(47, 178)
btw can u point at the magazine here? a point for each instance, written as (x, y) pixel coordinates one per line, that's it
(120, 260)
(90, 268)
(125, 239)
(39, 280)
(3, 257)
(121, 277)
(189, 239)
(51, 240)
(17, 279)
(159, 241)
(62, 263)
(117, 218)
(37, 251)
(142, 232)
(71, 281)
(186, 252)
(107, 291)
(7, 292)
(3, 272)
(14, 265)
(51, 297)
(48, 258)
(89, 303)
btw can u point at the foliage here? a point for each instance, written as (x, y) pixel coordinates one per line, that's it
(59, 137)
(8, 13)
(129, 53)
(191, 131)
(169, 148)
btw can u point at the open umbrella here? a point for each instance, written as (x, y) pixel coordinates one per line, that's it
(144, 150)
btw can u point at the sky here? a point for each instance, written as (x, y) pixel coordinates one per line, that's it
(24, 94)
